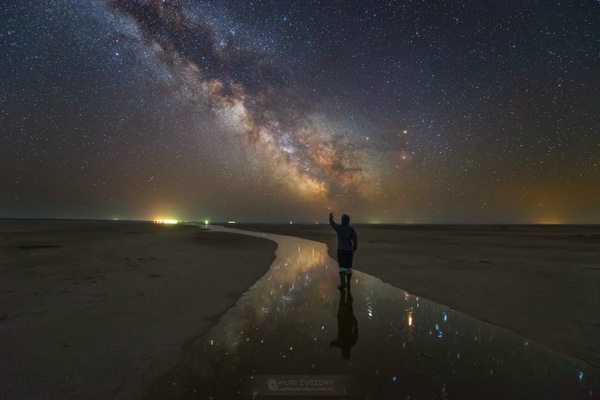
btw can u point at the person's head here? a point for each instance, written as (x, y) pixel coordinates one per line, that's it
(345, 219)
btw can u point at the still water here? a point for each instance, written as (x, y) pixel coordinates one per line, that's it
(294, 334)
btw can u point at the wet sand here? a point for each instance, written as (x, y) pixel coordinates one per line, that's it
(542, 282)
(92, 310)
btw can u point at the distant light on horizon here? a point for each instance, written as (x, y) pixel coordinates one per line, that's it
(165, 221)
(549, 221)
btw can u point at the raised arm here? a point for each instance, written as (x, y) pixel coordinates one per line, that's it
(332, 222)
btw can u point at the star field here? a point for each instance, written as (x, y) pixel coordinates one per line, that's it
(392, 111)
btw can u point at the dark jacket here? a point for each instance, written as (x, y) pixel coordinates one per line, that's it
(347, 238)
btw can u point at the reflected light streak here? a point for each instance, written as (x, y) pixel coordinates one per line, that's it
(292, 261)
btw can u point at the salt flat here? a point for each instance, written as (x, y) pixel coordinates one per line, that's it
(94, 310)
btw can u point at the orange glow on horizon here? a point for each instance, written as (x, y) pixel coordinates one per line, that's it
(165, 221)
(549, 221)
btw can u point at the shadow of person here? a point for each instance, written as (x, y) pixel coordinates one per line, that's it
(347, 325)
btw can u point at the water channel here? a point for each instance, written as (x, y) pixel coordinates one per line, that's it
(294, 335)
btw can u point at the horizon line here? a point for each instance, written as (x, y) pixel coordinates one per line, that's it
(325, 222)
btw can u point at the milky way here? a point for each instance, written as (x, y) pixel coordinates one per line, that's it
(248, 93)
(393, 111)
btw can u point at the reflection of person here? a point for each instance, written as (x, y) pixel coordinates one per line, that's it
(347, 325)
(347, 243)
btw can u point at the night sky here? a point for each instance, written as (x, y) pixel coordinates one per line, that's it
(424, 111)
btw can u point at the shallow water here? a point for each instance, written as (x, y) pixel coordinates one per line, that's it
(294, 334)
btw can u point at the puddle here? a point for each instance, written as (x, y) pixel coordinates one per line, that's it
(277, 340)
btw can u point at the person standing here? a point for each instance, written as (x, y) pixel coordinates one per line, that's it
(347, 245)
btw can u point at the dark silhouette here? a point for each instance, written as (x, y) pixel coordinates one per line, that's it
(347, 244)
(347, 325)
